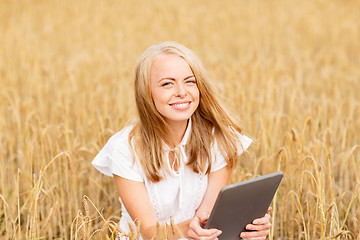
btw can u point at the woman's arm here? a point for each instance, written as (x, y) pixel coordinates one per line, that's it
(136, 200)
(216, 180)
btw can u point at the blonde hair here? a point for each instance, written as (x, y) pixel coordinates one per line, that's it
(210, 120)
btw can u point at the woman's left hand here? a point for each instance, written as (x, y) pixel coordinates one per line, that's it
(259, 228)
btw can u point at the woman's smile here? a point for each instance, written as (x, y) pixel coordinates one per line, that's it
(181, 106)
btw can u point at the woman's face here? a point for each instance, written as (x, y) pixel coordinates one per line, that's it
(173, 88)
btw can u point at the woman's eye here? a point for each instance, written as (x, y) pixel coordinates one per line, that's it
(191, 81)
(166, 84)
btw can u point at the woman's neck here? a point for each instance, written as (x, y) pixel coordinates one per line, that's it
(178, 129)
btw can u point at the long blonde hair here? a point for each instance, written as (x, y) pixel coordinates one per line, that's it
(210, 121)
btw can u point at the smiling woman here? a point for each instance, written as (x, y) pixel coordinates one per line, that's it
(173, 162)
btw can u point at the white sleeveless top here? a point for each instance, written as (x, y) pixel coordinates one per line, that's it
(178, 195)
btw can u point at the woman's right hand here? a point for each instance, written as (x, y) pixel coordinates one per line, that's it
(196, 230)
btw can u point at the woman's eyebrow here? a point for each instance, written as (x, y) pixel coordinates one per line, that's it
(173, 79)
(167, 78)
(189, 77)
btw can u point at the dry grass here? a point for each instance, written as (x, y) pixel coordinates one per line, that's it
(290, 69)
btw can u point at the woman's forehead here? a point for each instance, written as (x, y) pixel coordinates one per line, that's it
(166, 65)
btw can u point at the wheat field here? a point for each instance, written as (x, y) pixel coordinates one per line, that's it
(289, 70)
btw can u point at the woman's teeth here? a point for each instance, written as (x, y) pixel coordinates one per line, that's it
(179, 104)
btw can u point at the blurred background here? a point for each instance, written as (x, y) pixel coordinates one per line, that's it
(289, 70)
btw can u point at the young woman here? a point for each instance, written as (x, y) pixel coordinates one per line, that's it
(176, 158)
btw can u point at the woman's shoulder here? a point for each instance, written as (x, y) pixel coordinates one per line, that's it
(121, 136)
(116, 157)
(119, 141)
(243, 141)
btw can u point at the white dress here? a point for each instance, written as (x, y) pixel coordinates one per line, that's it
(178, 195)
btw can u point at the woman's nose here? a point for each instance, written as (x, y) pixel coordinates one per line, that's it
(180, 90)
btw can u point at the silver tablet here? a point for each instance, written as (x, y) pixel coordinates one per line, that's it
(240, 203)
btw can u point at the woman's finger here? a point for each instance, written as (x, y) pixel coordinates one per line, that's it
(203, 216)
(256, 238)
(260, 227)
(262, 220)
(194, 235)
(195, 226)
(255, 234)
(196, 230)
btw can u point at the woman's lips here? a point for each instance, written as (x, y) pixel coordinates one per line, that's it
(181, 106)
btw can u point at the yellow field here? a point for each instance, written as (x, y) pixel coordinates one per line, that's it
(289, 69)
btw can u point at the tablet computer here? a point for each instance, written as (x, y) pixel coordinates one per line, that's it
(240, 203)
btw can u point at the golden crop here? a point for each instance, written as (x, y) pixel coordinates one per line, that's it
(290, 70)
